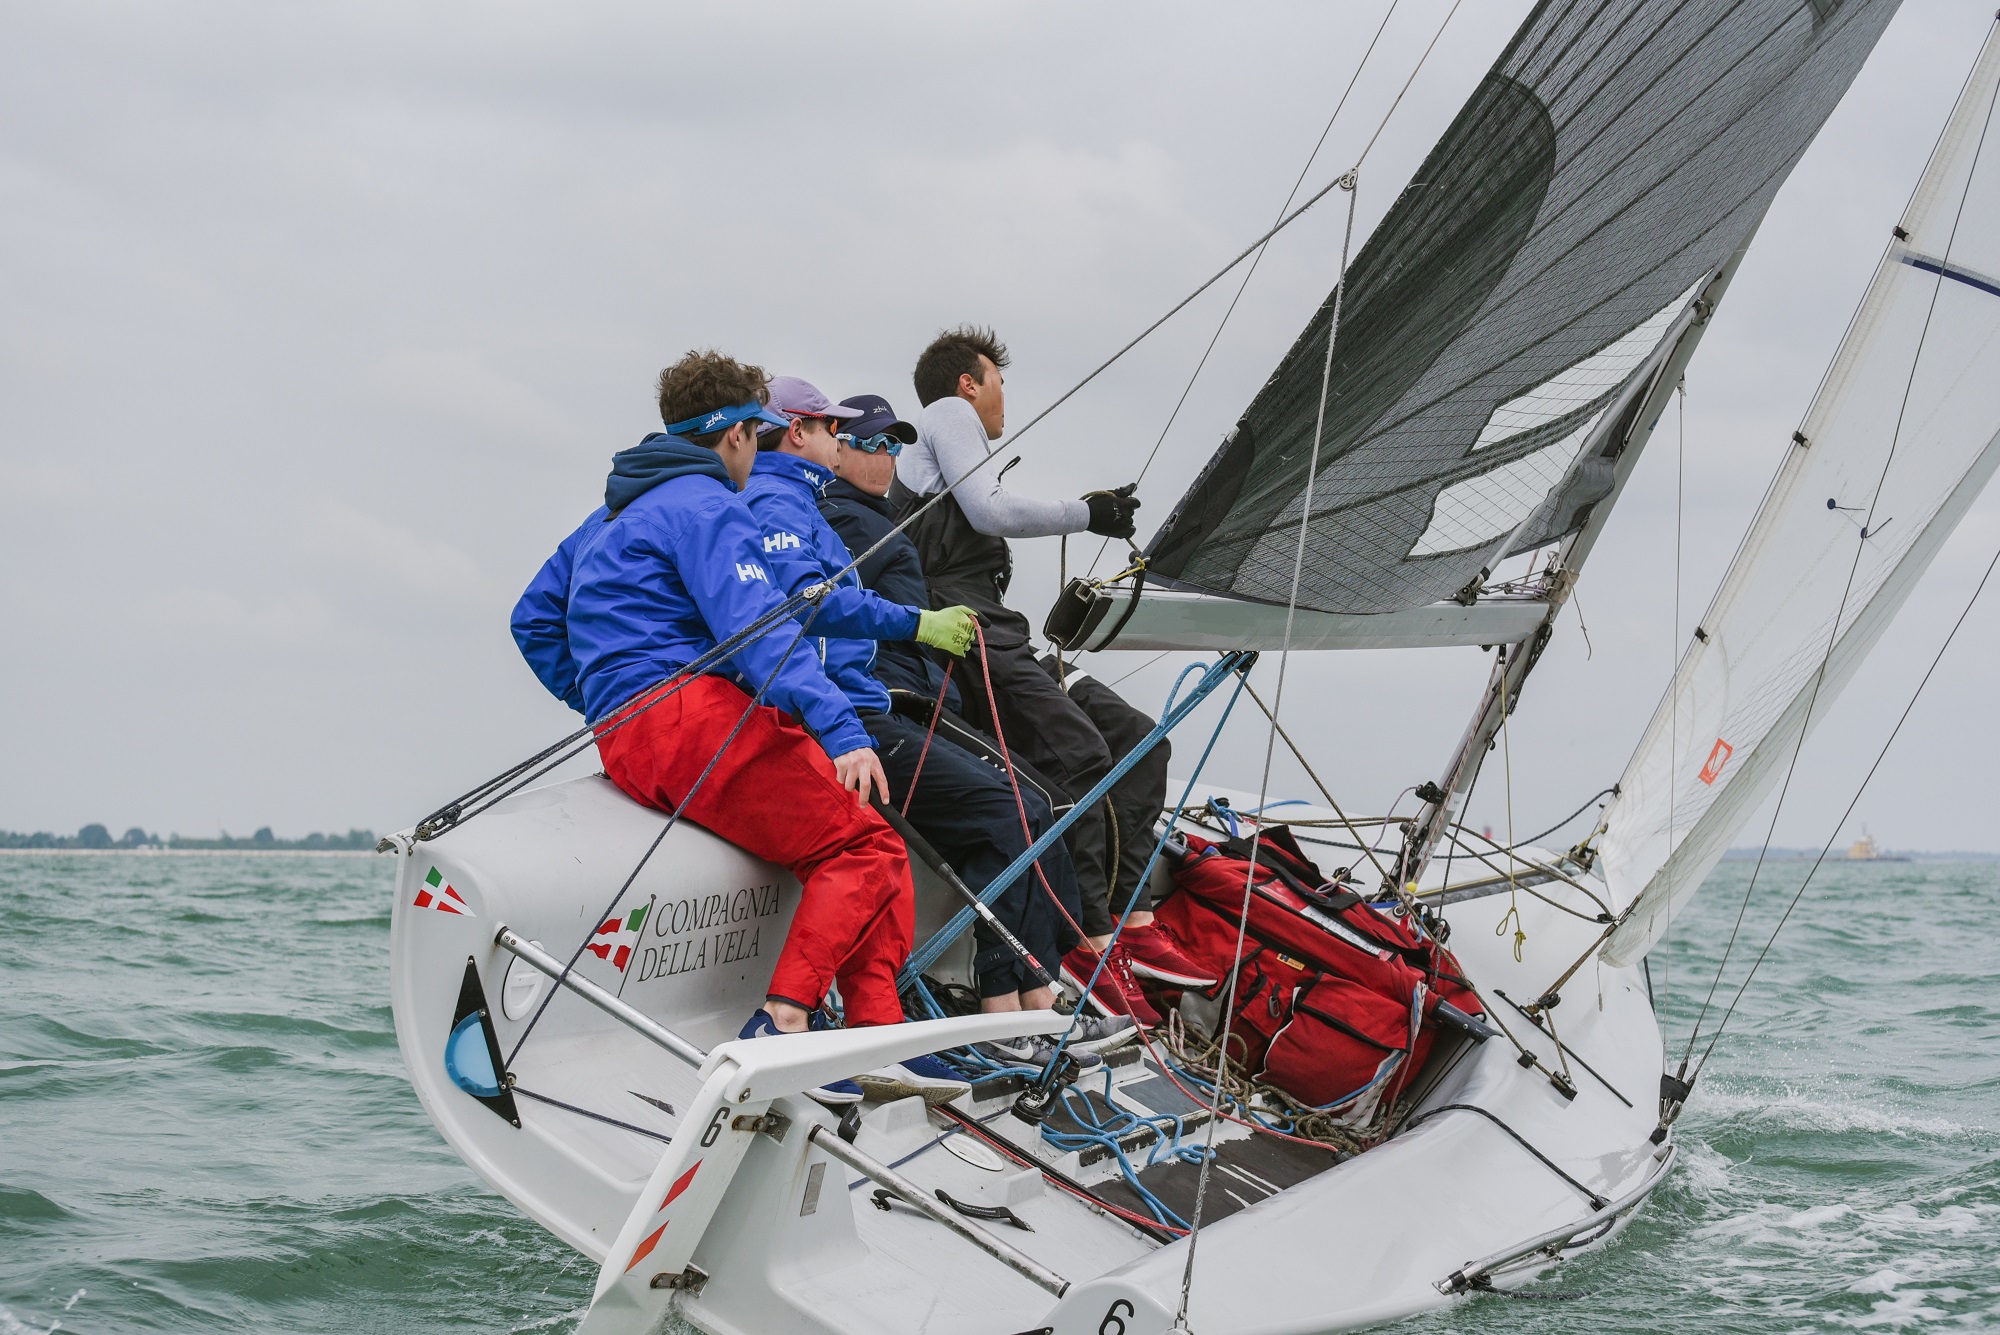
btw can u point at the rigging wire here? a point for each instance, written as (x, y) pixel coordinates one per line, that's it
(1141, 668)
(1223, 323)
(1324, 791)
(1513, 913)
(1537, 838)
(1852, 803)
(454, 813)
(1351, 183)
(482, 797)
(1854, 566)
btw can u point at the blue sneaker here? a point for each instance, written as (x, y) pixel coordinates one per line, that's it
(835, 1092)
(923, 1077)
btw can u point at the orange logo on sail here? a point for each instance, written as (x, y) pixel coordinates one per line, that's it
(1717, 758)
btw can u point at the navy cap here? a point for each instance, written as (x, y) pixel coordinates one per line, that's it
(878, 418)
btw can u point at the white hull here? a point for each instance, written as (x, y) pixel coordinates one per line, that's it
(1367, 1241)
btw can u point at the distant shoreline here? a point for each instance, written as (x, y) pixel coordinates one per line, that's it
(190, 852)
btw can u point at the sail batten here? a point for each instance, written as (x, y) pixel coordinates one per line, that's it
(1903, 434)
(1609, 165)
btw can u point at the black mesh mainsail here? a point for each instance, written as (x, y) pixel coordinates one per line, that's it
(1501, 318)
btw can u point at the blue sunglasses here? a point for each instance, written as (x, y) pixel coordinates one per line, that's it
(874, 444)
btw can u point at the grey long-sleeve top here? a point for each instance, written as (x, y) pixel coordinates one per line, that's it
(950, 443)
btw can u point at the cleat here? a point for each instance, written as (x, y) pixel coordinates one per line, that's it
(1156, 955)
(918, 1077)
(834, 1093)
(1117, 991)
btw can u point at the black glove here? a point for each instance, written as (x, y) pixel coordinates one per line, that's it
(1111, 511)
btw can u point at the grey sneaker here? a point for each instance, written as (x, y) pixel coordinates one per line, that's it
(1101, 1033)
(1037, 1051)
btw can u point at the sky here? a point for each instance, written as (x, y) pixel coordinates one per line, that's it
(319, 324)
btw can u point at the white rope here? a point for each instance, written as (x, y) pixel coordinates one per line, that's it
(1347, 183)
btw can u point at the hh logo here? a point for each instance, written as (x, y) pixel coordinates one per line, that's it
(778, 542)
(1717, 758)
(749, 570)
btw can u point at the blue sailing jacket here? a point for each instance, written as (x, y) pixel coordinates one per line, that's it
(802, 549)
(897, 573)
(653, 580)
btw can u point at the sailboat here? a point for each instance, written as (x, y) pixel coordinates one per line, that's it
(1479, 388)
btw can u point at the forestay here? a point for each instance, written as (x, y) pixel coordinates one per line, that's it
(1518, 295)
(1929, 328)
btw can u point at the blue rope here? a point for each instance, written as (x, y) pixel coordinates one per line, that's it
(1176, 712)
(1107, 1132)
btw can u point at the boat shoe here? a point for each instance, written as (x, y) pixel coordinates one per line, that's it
(1117, 991)
(1155, 954)
(834, 1092)
(1090, 1037)
(1037, 1051)
(915, 1077)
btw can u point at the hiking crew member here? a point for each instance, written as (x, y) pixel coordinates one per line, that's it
(963, 805)
(669, 566)
(1073, 730)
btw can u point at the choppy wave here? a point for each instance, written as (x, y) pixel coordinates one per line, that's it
(204, 1123)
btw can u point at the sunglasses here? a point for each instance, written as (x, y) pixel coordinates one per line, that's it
(873, 444)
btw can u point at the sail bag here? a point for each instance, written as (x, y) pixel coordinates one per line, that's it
(1335, 997)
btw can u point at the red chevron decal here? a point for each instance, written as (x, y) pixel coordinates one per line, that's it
(680, 1185)
(645, 1249)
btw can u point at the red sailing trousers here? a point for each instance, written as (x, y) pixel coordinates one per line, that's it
(774, 793)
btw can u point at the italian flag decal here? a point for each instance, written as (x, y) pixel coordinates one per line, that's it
(616, 939)
(434, 893)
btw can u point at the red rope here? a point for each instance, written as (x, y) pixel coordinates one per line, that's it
(1020, 803)
(937, 712)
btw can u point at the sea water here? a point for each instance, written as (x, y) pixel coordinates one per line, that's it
(204, 1123)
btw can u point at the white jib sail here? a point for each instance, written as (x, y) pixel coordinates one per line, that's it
(1929, 331)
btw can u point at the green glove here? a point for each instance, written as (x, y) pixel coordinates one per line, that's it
(949, 630)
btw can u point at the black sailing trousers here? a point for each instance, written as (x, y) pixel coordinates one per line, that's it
(965, 808)
(1074, 736)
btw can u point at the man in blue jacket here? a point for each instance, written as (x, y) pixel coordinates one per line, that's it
(963, 804)
(672, 565)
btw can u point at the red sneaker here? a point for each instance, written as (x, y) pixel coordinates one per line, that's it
(1117, 991)
(1155, 954)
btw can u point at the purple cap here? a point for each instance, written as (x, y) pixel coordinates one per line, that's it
(878, 419)
(801, 398)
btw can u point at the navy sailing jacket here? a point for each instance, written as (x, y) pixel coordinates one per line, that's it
(895, 572)
(653, 580)
(802, 550)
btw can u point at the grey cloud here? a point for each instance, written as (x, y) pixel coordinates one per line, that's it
(319, 323)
